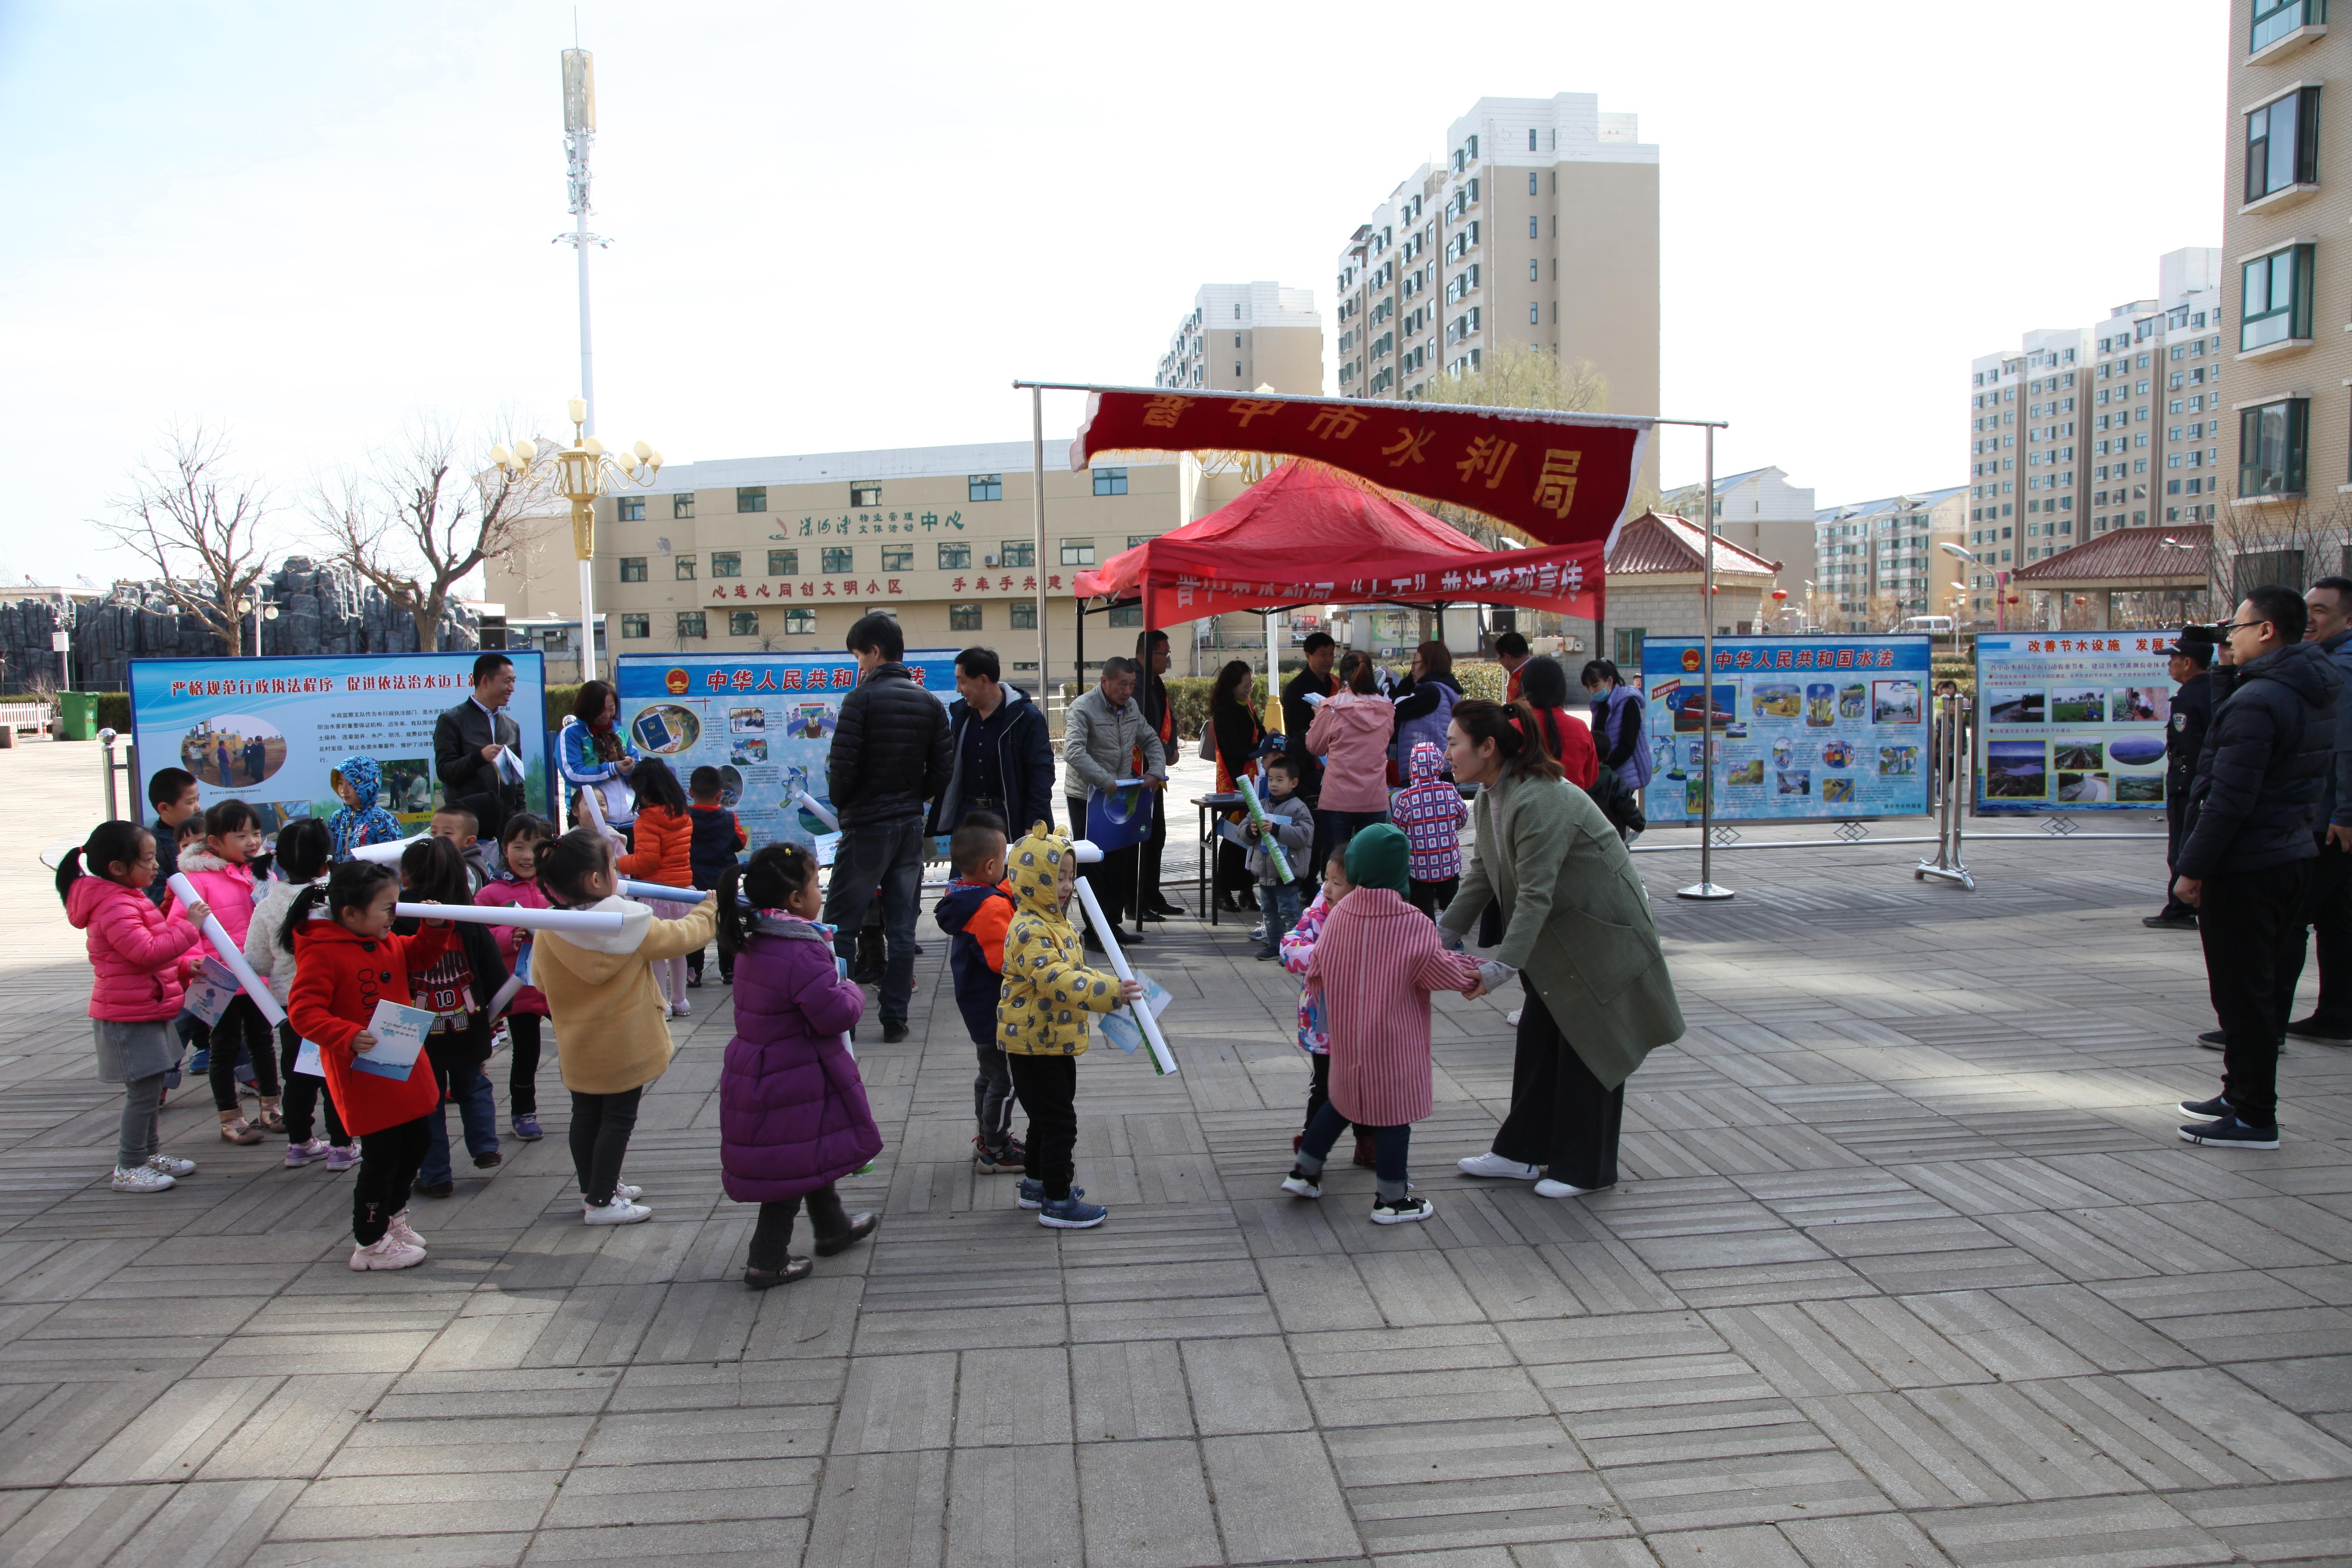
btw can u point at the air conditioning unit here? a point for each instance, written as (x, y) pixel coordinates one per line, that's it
(988, 559)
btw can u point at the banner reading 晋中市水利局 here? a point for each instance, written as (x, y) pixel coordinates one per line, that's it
(764, 721)
(269, 732)
(2072, 721)
(1802, 727)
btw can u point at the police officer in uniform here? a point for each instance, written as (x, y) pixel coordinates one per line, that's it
(2184, 737)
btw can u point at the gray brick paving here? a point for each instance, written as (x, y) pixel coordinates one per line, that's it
(1908, 1268)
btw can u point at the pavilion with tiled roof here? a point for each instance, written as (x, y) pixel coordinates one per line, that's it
(1654, 573)
(2168, 570)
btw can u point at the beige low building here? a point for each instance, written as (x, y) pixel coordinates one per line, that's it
(1656, 583)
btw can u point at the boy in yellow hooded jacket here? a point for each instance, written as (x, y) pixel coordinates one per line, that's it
(1041, 1021)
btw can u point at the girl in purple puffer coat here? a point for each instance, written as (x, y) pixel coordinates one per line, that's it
(793, 1118)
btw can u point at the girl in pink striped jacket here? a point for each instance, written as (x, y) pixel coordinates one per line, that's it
(1373, 970)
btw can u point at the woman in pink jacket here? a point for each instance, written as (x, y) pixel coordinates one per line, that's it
(141, 961)
(1351, 733)
(1374, 966)
(223, 879)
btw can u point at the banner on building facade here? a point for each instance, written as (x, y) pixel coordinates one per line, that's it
(269, 732)
(765, 721)
(1798, 727)
(2072, 721)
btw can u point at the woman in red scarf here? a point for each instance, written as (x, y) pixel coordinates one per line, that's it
(597, 755)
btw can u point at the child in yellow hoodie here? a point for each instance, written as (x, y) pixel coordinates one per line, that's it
(1041, 1021)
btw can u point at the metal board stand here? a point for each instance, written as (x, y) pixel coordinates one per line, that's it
(1705, 888)
(1959, 784)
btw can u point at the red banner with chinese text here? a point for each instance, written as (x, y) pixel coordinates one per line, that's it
(1187, 582)
(1562, 479)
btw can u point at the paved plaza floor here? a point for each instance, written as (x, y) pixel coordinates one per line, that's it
(1908, 1267)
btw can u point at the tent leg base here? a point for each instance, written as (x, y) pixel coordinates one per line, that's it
(1709, 892)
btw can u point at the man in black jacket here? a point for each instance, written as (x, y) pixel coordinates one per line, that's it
(2247, 859)
(467, 741)
(1004, 757)
(2184, 738)
(889, 756)
(1152, 651)
(2327, 903)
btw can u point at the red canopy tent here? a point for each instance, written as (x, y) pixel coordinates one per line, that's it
(1272, 548)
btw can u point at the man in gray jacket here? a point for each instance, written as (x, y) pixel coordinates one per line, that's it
(1105, 738)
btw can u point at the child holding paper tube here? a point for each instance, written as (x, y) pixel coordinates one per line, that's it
(664, 854)
(516, 886)
(1041, 1021)
(141, 961)
(457, 987)
(304, 848)
(224, 881)
(344, 965)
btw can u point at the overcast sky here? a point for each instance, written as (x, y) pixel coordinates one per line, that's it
(851, 226)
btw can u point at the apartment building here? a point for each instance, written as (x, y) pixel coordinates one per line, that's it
(1538, 228)
(783, 553)
(1243, 336)
(1878, 563)
(2287, 201)
(1763, 514)
(2084, 429)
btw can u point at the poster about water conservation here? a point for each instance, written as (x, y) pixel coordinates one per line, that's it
(2072, 721)
(1790, 728)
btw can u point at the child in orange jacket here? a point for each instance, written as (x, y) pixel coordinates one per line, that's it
(974, 911)
(664, 853)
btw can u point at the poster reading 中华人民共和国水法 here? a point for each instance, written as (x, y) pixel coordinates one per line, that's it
(765, 721)
(2072, 721)
(1801, 727)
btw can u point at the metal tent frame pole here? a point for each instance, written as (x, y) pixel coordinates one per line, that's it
(1706, 887)
(1038, 518)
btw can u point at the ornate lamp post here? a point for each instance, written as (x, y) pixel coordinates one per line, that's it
(582, 472)
(259, 612)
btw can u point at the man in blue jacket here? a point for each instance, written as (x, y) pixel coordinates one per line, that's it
(2246, 863)
(1003, 758)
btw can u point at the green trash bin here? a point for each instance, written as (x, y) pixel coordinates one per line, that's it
(77, 715)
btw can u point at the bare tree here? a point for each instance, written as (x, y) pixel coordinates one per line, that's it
(416, 521)
(198, 526)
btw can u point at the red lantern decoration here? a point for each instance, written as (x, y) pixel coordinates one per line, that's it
(1780, 596)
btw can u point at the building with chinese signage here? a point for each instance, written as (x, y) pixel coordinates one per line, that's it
(1241, 337)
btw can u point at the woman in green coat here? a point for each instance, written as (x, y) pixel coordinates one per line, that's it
(1577, 933)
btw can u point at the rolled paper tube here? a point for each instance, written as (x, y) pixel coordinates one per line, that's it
(594, 923)
(386, 854)
(1163, 1061)
(1087, 852)
(656, 890)
(506, 993)
(810, 804)
(230, 954)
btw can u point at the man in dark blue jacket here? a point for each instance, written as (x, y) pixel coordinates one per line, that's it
(1003, 758)
(2327, 903)
(2246, 863)
(2184, 738)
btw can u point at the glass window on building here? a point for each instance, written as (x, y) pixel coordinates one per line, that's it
(800, 623)
(1135, 539)
(865, 495)
(636, 627)
(838, 559)
(1629, 650)
(751, 498)
(1024, 614)
(1126, 615)
(727, 563)
(690, 624)
(954, 557)
(2274, 19)
(2275, 304)
(630, 509)
(682, 505)
(963, 618)
(632, 568)
(898, 558)
(987, 487)
(683, 565)
(1077, 553)
(2274, 442)
(743, 623)
(2282, 146)
(783, 563)
(1110, 481)
(1017, 552)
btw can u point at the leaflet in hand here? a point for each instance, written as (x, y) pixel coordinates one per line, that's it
(511, 765)
(307, 1062)
(399, 1035)
(212, 991)
(1121, 1029)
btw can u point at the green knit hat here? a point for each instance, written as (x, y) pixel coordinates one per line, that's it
(1376, 859)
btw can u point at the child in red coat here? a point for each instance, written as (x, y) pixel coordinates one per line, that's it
(1374, 966)
(141, 961)
(343, 966)
(517, 886)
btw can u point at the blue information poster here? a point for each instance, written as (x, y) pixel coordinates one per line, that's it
(2072, 721)
(269, 732)
(764, 721)
(1801, 727)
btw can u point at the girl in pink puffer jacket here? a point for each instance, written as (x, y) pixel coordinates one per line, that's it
(224, 880)
(141, 960)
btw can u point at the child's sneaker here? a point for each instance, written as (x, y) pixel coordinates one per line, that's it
(683, 1009)
(620, 1211)
(995, 1164)
(142, 1179)
(1073, 1213)
(301, 1155)
(1403, 1210)
(170, 1166)
(526, 1127)
(387, 1251)
(1299, 1185)
(1033, 1192)
(343, 1158)
(403, 1230)
(1268, 955)
(1258, 932)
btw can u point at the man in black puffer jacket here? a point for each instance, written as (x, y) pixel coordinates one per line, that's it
(890, 755)
(2246, 861)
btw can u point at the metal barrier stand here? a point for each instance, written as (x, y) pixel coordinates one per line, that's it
(1958, 783)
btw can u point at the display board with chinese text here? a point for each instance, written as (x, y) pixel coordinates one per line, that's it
(1801, 726)
(2072, 721)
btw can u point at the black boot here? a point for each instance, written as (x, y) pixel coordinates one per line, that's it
(837, 1229)
(771, 1262)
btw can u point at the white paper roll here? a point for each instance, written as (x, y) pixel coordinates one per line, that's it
(816, 808)
(230, 954)
(656, 890)
(388, 854)
(593, 800)
(597, 923)
(1163, 1059)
